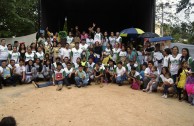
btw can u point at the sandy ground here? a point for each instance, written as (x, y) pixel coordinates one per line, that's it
(92, 106)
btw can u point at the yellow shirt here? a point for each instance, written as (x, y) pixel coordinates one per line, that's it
(182, 80)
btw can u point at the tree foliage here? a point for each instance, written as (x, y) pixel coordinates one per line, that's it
(18, 17)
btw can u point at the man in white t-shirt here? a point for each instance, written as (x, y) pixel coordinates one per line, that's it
(19, 72)
(66, 51)
(69, 75)
(76, 52)
(120, 75)
(3, 51)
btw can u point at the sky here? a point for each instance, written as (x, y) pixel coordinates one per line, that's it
(181, 15)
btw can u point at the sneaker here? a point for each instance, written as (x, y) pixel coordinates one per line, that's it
(101, 85)
(149, 91)
(165, 96)
(144, 90)
(35, 85)
(69, 87)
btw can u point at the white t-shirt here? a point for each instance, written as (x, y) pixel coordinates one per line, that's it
(83, 47)
(115, 53)
(118, 40)
(29, 56)
(121, 71)
(112, 41)
(123, 53)
(108, 51)
(66, 53)
(61, 52)
(68, 71)
(20, 69)
(69, 39)
(147, 71)
(76, 53)
(174, 64)
(89, 41)
(98, 37)
(157, 56)
(3, 52)
(169, 80)
(15, 56)
(166, 61)
(40, 55)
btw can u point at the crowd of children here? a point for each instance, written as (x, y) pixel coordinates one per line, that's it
(96, 57)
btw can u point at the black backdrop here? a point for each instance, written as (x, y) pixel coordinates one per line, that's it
(110, 15)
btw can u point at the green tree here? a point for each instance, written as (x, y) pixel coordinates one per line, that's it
(18, 17)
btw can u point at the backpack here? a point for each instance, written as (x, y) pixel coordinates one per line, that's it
(135, 86)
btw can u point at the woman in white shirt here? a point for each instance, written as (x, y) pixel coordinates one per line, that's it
(174, 62)
(29, 55)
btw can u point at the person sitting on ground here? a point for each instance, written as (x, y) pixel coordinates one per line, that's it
(90, 64)
(30, 72)
(11, 65)
(147, 74)
(168, 82)
(69, 75)
(98, 74)
(38, 70)
(110, 71)
(47, 70)
(19, 72)
(59, 76)
(120, 74)
(153, 81)
(80, 76)
(134, 78)
(5, 75)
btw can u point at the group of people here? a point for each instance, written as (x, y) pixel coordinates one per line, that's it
(94, 56)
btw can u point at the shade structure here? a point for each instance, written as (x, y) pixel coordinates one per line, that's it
(148, 35)
(131, 31)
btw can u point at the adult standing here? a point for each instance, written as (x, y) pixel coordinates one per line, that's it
(3, 51)
(186, 56)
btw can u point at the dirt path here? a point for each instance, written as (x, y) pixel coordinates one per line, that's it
(92, 106)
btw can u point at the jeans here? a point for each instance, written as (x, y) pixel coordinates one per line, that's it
(59, 82)
(79, 80)
(179, 92)
(166, 89)
(146, 80)
(120, 79)
(45, 84)
(174, 79)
